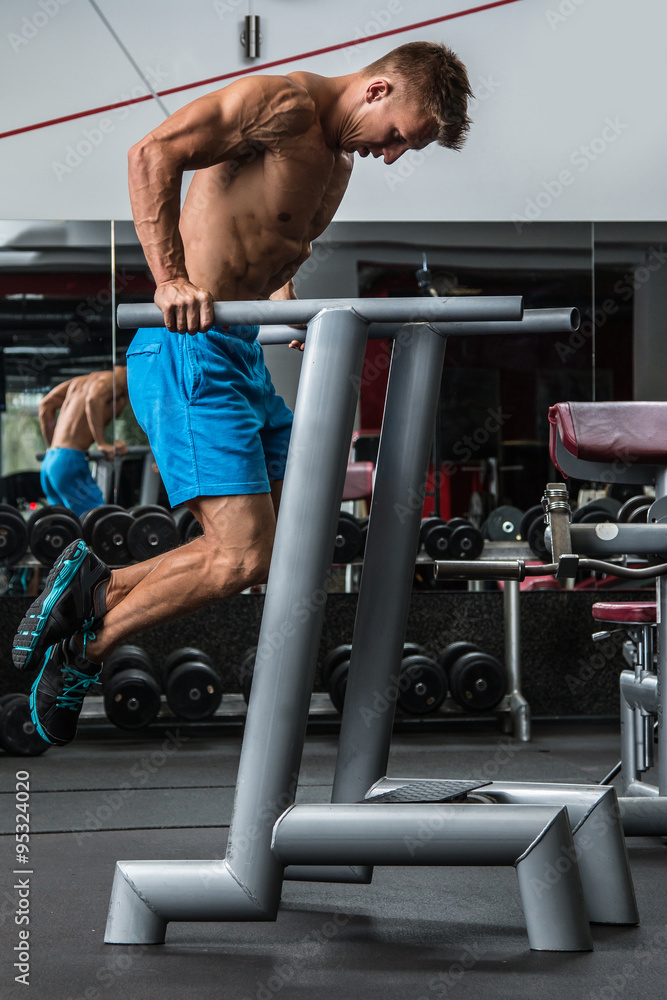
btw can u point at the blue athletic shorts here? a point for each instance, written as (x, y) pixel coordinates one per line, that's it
(66, 479)
(214, 421)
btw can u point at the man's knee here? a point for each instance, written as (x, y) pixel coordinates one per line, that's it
(240, 568)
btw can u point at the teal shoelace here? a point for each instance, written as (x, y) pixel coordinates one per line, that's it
(76, 688)
(76, 682)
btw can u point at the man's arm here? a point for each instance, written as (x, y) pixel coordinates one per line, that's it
(48, 409)
(99, 403)
(210, 130)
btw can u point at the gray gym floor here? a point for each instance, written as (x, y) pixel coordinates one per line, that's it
(419, 933)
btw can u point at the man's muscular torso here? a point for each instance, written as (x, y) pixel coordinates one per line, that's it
(272, 186)
(73, 428)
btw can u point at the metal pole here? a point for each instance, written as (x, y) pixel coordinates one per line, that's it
(661, 596)
(519, 707)
(389, 561)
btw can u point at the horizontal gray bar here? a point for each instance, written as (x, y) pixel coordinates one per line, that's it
(534, 321)
(412, 310)
(409, 834)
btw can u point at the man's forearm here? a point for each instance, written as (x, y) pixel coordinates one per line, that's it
(47, 423)
(155, 194)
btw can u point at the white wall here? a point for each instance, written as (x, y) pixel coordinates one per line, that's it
(549, 74)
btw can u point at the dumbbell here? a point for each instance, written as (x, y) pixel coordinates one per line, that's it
(455, 539)
(152, 533)
(13, 535)
(532, 530)
(503, 524)
(477, 681)
(105, 530)
(187, 524)
(598, 510)
(635, 510)
(191, 685)
(336, 666)
(350, 538)
(422, 683)
(131, 688)
(50, 530)
(18, 734)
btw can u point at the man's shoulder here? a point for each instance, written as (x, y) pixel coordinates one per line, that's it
(277, 101)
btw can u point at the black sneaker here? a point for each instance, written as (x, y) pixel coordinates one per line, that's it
(59, 689)
(71, 602)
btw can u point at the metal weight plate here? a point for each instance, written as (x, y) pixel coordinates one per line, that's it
(422, 685)
(151, 534)
(193, 691)
(528, 518)
(504, 524)
(127, 657)
(338, 685)
(640, 514)
(450, 654)
(187, 524)
(7, 699)
(148, 508)
(131, 699)
(413, 649)
(593, 513)
(477, 682)
(535, 538)
(630, 506)
(465, 540)
(333, 659)
(349, 538)
(434, 535)
(13, 535)
(108, 538)
(51, 530)
(18, 735)
(92, 516)
(183, 655)
(658, 511)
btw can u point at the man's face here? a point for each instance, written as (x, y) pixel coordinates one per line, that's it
(389, 124)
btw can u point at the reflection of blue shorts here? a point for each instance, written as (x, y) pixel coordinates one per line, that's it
(214, 422)
(66, 479)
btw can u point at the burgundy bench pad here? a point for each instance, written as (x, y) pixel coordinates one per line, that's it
(635, 612)
(601, 432)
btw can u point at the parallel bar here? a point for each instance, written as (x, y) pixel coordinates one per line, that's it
(412, 310)
(247, 885)
(534, 321)
(389, 561)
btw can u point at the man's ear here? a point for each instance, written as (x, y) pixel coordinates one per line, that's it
(377, 90)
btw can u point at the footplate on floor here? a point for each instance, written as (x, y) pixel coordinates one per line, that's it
(426, 790)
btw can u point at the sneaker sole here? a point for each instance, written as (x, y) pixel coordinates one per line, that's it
(64, 569)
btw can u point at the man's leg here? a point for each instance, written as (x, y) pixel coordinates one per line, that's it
(233, 553)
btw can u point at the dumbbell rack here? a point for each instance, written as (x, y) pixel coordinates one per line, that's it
(528, 826)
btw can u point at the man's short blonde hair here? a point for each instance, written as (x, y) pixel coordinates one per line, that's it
(440, 84)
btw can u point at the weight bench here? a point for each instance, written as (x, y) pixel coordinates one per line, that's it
(626, 442)
(570, 831)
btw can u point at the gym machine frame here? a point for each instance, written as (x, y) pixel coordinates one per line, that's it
(565, 841)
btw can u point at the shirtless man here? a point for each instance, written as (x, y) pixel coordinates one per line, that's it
(273, 157)
(86, 405)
